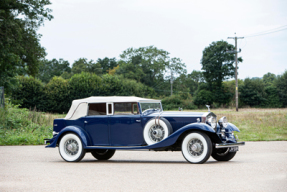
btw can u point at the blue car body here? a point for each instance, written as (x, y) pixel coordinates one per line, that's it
(102, 125)
(126, 132)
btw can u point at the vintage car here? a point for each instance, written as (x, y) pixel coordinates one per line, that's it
(102, 125)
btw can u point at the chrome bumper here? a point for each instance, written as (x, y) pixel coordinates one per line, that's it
(226, 145)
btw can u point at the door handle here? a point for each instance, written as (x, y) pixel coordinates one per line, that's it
(138, 120)
(85, 121)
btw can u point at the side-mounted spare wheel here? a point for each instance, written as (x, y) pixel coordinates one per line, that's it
(196, 147)
(156, 130)
(103, 154)
(71, 148)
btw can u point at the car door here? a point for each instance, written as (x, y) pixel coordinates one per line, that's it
(125, 125)
(97, 124)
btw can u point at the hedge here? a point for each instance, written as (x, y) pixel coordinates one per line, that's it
(57, 95)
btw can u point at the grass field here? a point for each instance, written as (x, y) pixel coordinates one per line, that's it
(257, 124)
(25, 127)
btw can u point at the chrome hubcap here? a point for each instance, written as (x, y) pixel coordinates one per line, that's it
(195, 147)
(156, 133)
(71, 147)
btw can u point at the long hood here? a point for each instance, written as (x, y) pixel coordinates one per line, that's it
(177, 114)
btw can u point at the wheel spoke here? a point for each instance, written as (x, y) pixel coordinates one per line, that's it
(195, 147)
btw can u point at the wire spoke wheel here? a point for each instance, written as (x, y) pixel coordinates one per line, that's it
(196, 147)
(156, 133)
(156, 130)
(71, 148)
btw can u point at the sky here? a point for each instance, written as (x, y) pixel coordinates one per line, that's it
(105, 28)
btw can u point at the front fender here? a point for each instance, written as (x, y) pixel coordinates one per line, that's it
(232, 127)
(74, 129)
(170, 140)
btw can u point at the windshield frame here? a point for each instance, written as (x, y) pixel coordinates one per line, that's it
(149, 110)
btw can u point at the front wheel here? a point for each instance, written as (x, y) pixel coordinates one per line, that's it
(196, 147)
(71, 148)
(103, 154)
(222, 154)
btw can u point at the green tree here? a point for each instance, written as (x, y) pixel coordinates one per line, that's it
(85, 85)
(149, 65)
(107, 64)
(281, 85)
(49, 69)
(20, 49)
(29, 93)
(57, 95)
(83, 65)
(229, 86)
(217, 65)
(269, 79)
(195, 79)
(252, 92)
(203, 97)
(272, 97)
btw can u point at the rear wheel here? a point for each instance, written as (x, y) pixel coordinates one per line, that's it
(196, 147)
(71, 148)
(103, 154)
(222, 154)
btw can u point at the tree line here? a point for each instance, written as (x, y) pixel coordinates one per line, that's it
(31, 80)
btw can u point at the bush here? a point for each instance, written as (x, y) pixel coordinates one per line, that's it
(85, 85)
(281, 85)
(203, 97)
(24, 127)
(57, 95)
(29, 93)
(175, 101)
(272, 97)
(252, 92)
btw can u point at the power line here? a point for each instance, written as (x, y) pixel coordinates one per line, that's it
(268, 31)
(283, 26)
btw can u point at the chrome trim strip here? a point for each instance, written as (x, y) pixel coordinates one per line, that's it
(226, 145)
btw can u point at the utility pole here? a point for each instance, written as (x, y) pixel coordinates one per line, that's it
(236, 82)
(171, 82)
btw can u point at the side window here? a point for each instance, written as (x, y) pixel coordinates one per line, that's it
(125, 108)
(97, 109)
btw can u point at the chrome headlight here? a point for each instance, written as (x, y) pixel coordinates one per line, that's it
(223, 122)
(212, 121)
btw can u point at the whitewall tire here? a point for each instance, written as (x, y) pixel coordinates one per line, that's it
(196, 147)
(156, 130)
(71, 148)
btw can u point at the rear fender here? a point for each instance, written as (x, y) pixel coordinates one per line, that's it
(83, 135)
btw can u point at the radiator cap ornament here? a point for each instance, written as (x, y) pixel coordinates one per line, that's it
(208, 107)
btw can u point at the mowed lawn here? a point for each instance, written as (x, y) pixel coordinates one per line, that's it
(257, 124)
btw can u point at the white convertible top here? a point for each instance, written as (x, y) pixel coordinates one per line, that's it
(79, 107)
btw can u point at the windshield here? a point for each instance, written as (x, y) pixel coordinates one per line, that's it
(150, 107)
